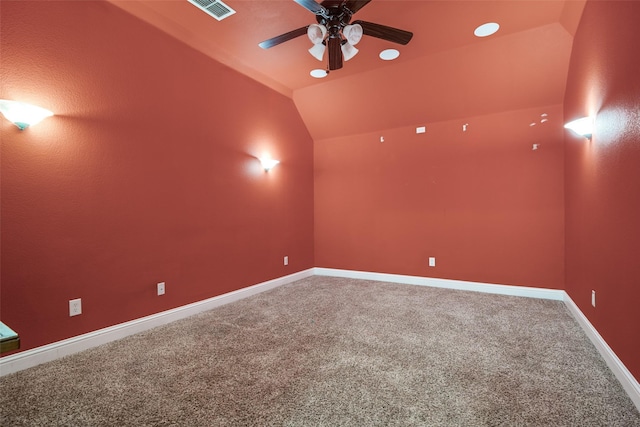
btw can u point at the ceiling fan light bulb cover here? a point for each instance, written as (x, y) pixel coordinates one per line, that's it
(349, 51)
(316, 33)
(353, 33)
(317, 51)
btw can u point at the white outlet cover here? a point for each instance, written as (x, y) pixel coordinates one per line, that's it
(161, 288)
(75, 307)
(432, 261)
(286, 260)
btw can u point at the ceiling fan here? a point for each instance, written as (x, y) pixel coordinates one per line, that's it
(336, 31)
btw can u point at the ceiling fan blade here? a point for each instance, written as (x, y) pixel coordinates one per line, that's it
(313, 7)
(335, 53)
(386, 33)
(283, 38)
(356, 5)
(332, 4)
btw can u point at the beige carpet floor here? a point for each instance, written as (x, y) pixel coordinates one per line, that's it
(336, 352)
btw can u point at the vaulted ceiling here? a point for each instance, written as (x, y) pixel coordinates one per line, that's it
(444, 73)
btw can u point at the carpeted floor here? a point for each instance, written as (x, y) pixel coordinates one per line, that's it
(336, 352)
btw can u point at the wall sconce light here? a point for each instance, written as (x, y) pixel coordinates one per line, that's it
(268, 163)
(583, 126)
(22, 114)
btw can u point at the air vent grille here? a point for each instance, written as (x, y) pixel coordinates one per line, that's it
(215, 8)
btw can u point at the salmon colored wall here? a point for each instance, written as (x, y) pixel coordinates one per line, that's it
(603, 176)
(483, 202)
(145, 174)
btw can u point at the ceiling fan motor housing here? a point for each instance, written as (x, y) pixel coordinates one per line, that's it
(336, 19)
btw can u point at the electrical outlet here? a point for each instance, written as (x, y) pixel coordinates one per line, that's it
(286, 260)
(432, 261)
(161, 288)
(593, 298)
(75, 307)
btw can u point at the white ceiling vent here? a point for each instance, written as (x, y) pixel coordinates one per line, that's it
(215, 8)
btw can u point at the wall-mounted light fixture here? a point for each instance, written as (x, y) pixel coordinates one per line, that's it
(22, 114)
(583, 126)
(268, 163)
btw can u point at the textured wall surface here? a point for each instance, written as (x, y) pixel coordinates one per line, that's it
(603, 175)
(483, 202)
(146, 173)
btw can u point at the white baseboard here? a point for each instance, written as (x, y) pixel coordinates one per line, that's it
(629, 383)
(627, 380)
(29, 358)
(520, 291)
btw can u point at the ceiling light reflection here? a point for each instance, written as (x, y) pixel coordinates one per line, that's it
(487, 29)
(389, 54)
(318, 73)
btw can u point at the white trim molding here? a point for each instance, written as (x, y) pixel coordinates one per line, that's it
(627, 380)
(461, 285)
(46, 353)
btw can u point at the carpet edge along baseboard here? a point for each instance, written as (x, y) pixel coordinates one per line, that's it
(33, 357)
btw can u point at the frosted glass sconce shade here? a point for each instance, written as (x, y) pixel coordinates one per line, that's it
(583, 126)
(22, 114)
(268, 164)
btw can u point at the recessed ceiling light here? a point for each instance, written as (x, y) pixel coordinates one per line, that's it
(389, 54)
(487, 29)
(318, 73)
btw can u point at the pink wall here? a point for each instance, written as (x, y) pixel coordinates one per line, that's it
(145, 174)
(488, 207)
(603, 176)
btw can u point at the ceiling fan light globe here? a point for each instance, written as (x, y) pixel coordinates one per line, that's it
(353, 33)
(348, 51)
(316, 33)
(317, 51)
